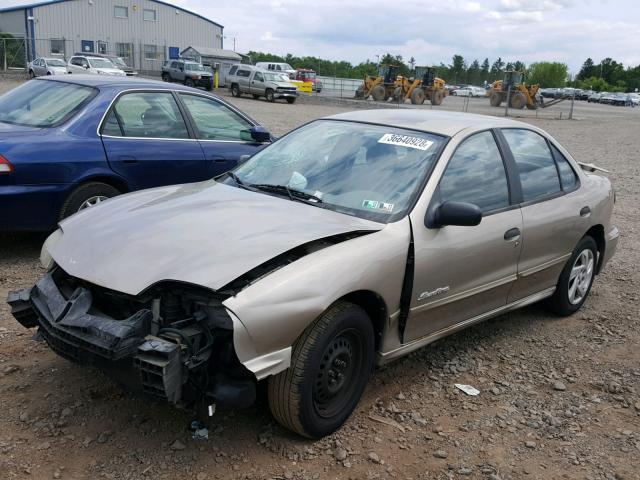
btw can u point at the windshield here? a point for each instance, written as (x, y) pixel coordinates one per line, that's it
(42, 103)
(194, 66)
(275, 77)
(118, 61)
(364, 170)
(101, 63)
(55, 62)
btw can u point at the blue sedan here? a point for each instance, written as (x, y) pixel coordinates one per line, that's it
(71, 142)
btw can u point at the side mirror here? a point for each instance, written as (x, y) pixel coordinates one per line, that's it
(454, 213)
(260, 134)
(243, 158)
(87, 67)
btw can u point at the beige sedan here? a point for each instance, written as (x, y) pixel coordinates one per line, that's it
(347, 243)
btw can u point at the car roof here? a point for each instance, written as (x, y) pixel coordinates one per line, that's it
(113, 81)
(440, 123)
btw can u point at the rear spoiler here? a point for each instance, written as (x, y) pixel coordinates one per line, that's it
(590, 167)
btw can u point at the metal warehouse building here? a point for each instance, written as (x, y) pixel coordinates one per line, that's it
(144, 33)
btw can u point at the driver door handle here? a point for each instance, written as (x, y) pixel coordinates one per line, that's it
(512, 234)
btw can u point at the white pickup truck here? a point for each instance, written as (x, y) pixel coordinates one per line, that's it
(260, 83)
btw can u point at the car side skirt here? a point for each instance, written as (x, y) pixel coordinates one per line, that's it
(386, 357)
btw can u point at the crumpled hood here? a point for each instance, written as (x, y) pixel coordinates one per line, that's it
(202, 233)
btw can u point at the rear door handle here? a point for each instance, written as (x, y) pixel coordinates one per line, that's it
(585, 211)
(218, 159)
(512, 233)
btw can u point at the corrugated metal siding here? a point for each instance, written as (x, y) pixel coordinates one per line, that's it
(79, 20)
(13, 23)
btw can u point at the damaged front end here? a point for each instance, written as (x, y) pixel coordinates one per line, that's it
(173, 341)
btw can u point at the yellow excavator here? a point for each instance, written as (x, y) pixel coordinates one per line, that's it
(380, 87)
(424, 86)
(520, 96)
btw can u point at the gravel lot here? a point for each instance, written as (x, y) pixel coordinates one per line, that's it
(560, 398)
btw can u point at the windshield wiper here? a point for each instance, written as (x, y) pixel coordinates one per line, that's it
(239, 182)
(291, 192)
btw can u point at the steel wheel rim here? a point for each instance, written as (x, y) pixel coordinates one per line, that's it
(336, 379)
(92, 201)
(580, 276)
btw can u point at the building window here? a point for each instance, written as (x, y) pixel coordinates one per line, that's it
(102, 48)
(149, 15)
(124, 51)
(121, 12)
(57, 47)
(150, 52)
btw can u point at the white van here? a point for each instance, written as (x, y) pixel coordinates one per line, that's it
(278, 67)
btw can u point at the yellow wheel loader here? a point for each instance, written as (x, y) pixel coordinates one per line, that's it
(380, 88)
(425, 86)
(520, 96)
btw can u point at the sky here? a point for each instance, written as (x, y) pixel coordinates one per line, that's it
(567, 31)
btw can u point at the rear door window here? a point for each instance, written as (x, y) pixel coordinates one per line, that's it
(146, 115)
(536, 166)
(568, 176)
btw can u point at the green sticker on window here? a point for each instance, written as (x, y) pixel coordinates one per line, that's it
(370, 204)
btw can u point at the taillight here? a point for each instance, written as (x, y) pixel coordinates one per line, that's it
(5, 165)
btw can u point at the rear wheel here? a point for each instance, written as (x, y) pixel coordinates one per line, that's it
(417, 96)
(518, 101)
(398, 94)
(379, 93)
(31, 74)
(165, 77)
(330, 366)
(235, 90)
(495, 99)
(576, 279)
(360, 92)
(269, 95)
(437, 97)
(86, 196)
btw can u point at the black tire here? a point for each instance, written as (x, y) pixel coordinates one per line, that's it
(360, 92)
(76, 200)
(379, 93)
(437, 97)
(48, 73)
(398, 94)
(235, 90)
(330, 367)
(165, 77)
(495, 99)
(255, 96)
(418, 96)
(269, 95)
(31, 74)
(518, 101)
(561, 302)
(291, 100)
(189, 82)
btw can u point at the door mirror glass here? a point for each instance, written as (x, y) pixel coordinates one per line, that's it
(243, 159)
(455, 213)
(260, 134)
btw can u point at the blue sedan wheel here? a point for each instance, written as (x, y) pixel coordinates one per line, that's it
(87, 195)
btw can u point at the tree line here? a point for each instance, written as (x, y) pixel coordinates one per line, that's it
(608, 75)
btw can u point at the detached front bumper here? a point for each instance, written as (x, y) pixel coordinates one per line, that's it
(182, 362)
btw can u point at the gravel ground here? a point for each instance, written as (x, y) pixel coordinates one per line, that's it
(560, 398)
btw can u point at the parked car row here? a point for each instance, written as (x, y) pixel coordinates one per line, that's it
(93, 63)
(618, 98)
(469, 91)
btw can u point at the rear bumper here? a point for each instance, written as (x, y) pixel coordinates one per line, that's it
(31, 207)
(611, 243)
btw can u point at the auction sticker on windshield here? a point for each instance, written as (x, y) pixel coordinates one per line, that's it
(406, 141)
(375, 205)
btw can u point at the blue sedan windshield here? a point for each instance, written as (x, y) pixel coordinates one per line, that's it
(41, 103)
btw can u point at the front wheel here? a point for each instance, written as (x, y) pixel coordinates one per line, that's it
(330, 367)
(189, 82)
(235, 90)
(291, 100)
(576, 279)
(270, 96)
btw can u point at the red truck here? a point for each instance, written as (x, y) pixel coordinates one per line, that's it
(308, 75)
